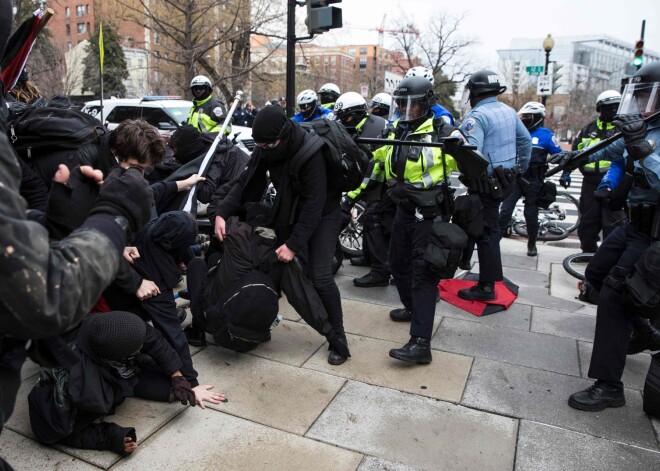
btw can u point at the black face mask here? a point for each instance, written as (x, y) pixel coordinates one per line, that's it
(607, 113)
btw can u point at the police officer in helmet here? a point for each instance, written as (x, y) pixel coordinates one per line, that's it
(414, 174)
(328, 95)
(499, 135)
(612, 271)
(207, 113)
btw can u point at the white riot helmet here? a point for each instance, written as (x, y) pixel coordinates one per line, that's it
(608, 97)
(350, 105)
(420, 71)
(532, 114)
(381, 104)
(200, 81)
(307, 102)
(329, 93)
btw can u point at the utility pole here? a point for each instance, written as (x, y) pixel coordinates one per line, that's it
(290, 57)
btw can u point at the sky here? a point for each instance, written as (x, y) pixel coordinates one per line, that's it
(494, 23)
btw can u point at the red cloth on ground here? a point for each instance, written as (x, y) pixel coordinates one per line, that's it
(505, 294)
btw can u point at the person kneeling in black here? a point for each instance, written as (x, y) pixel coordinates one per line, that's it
(119, 356)
(306, 214)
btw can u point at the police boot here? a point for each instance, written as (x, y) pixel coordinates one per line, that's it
(599, 396)
(479, 292)
(401, 315)
(334, 358)
(371, 279)
(645, 337)
(360, 262)
(417, 350)
(195, 337)
(531, 250)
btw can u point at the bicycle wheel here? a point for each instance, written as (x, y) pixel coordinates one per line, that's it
(576, 264)
(571, 207)
(520, 228)
(350, 237)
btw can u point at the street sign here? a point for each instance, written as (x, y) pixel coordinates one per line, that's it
(364, 89)
(534, 69)
(544, 85)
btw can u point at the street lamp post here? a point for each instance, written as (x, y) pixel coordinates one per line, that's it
(548, 44)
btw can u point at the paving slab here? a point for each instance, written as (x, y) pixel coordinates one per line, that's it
(371, 463)
(541, 396)
(541, 351)
(563, 324)
(385, 295)
(563, 285)
(24, 454)
(373, 320)
(213, 440)
(549, 448)
(292, 343)
(287, 311)
(523, 277)
(539, 297)
(518, 260)
(370, 363)
(634, 374)
(518, 316)
(145, 416)
(349, 270)
(588, 310)
(265, 391)
(416, 431)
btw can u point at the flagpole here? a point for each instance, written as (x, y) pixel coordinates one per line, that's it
(101, 57)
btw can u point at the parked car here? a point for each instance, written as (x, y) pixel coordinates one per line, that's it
(164, 113)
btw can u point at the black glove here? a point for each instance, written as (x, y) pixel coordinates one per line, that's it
(603, 194)
(565, 179)
(69, 204)
(566, 160)
(182, 391)
(452, 145)
(126, 193)
(634, 128)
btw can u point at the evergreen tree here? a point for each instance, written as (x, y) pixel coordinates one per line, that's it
(114, 65)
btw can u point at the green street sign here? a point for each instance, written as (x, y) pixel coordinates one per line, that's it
(534, 69)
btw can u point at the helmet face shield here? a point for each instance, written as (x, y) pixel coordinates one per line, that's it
(640, 98)
(409, 107)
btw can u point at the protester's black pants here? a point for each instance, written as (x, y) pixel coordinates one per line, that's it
(377, 227)
(417, 288)
(614, 325)
(594, 216)
(196, 280)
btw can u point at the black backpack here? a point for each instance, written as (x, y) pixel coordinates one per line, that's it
(60, 135)
(346, 161)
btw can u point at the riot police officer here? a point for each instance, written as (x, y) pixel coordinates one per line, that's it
(618, 254)
(207, 112)
(594, 215)
(499, 135)
(309, 108)
(414, 174)
(438, 110)
(351, 110)
(328, 95)
(532, 115)
(380, 105)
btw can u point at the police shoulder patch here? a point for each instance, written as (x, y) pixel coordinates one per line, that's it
(469, 125)
(217, 111)
(535, 140)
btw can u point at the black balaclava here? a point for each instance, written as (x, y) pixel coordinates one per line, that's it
(271, 124)
(187, 142)
(113, 336)
(607, 112)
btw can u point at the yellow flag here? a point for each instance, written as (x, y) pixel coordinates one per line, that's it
(101, 50)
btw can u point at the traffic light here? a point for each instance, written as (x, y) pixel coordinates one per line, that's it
(321, 18)
(556, 76)
(639, 53)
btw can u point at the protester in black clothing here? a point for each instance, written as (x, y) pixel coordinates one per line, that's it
(306, 213)
(146, 287)
(119, 355)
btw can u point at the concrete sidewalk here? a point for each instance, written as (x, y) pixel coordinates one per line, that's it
(494, 397)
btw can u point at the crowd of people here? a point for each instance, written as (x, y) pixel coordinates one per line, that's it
(90, 269)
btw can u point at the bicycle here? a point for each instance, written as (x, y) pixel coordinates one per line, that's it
(350, 237)
(575, 265)
(555, 223)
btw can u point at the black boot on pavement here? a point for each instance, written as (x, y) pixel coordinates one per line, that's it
(196, 337)
(479, 292)
(401, 315)
(334, 358)
(417, 350)
(599, 396)
(531, 250)
(370, 280)
(645, 337)
(360, 262)
(465, 265)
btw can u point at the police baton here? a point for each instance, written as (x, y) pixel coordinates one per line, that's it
(471, 163)
(211, 152)
(583, 157)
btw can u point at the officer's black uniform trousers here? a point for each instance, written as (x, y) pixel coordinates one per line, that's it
(594, 216)
(614, 325)
(377, 228)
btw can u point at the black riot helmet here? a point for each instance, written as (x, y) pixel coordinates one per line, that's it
(641, 95)
(483, 82)
(412, 99)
